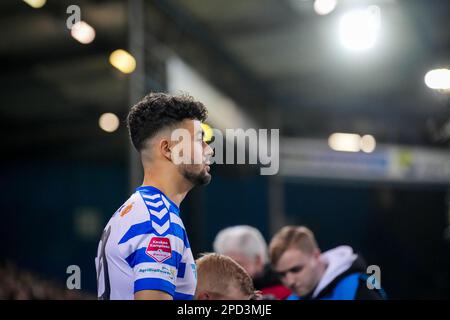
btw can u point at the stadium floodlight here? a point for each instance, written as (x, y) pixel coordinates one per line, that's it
(351, 142)
(368, 143)
(83, 32)
(347, 142)
(324, 7)
(35, 3)
(123, 61)
(108, 122)
(438, 79)
(359, 28)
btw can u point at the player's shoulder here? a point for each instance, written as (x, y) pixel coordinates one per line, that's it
(151, 209)
(133, 211)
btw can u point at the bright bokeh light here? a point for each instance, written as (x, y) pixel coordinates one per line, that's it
(359, 29)
(208, 132)
(83, 32)
(123, 61)
(324, 7)
(438, 79)
(347, 142)
(108, 122)
(368, 143)
(35, 3)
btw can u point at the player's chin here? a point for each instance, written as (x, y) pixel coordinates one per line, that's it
(301, 291)
(198, 174)
(206, 178)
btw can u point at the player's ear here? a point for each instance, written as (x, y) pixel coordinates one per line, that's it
(164, 147)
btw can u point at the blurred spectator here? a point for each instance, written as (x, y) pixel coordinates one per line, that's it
(247, 247)
(337, 274)
(220, 278)
(16, 284)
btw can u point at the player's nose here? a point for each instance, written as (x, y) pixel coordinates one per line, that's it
(208, 151)
(289, 279)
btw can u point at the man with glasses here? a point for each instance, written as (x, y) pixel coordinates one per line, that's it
(337, 274)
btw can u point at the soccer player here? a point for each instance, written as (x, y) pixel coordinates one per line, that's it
(144, 251)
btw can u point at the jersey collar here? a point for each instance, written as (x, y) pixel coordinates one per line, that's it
(151, 189)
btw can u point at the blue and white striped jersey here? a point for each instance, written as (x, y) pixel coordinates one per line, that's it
(144, 246)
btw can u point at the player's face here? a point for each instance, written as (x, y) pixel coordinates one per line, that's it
(197, 172)
(299, 271)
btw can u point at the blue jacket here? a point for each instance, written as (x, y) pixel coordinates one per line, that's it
(348, 287)
(345, 278)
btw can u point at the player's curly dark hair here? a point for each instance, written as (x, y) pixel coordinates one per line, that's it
(157, 111)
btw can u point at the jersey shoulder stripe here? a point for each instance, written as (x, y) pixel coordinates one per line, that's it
(148, 228)
(160, 217)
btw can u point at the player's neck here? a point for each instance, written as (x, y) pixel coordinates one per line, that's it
(173, 190)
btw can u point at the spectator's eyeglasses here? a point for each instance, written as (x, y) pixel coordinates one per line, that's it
(295, 269)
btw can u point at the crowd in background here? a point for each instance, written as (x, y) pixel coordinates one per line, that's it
(243, 267)
(18, 284)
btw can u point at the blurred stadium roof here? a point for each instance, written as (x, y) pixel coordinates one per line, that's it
(276, 58)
